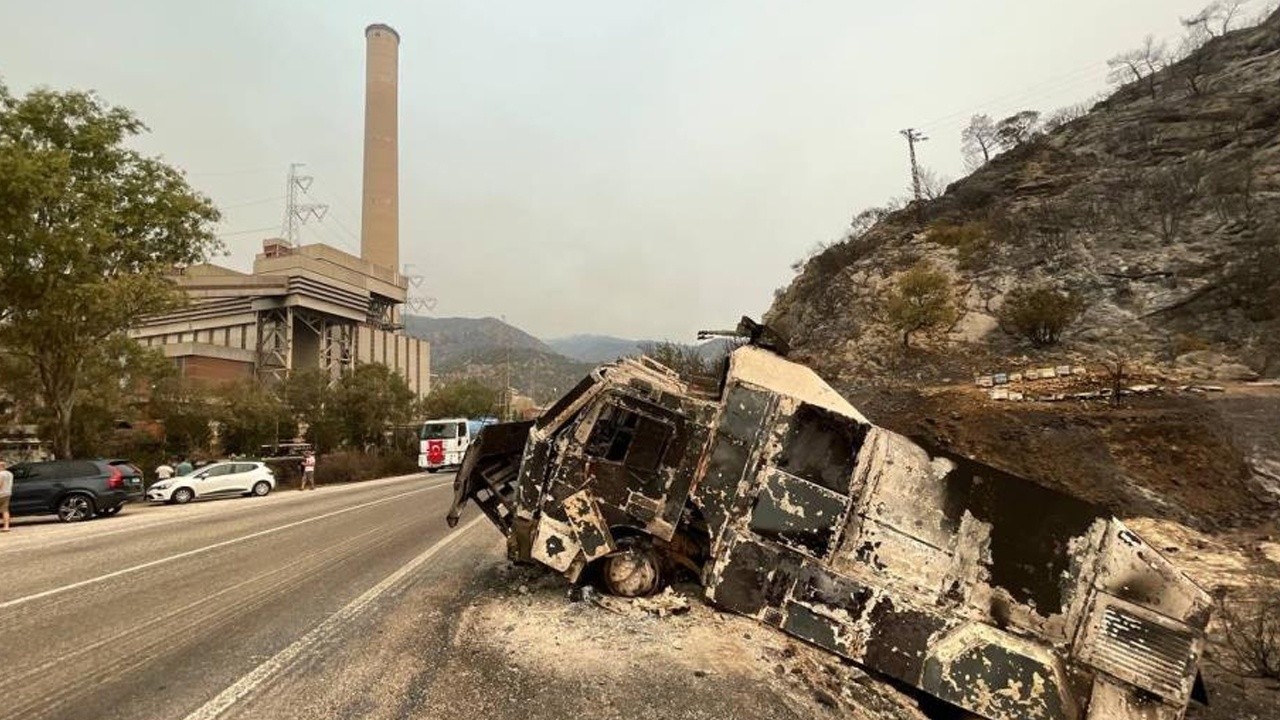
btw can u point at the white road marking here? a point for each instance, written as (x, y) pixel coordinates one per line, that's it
(179, 556)
(331, 625)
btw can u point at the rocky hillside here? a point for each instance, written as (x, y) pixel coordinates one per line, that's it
(492, 351)
(1158, 211)
(455, 339)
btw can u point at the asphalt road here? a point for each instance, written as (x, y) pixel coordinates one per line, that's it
(215, 609)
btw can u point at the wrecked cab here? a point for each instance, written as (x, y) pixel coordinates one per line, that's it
(983, 589)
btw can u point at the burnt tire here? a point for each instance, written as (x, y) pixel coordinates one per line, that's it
(182, 496)
(261, 488)
(75, 508)
(634, 572)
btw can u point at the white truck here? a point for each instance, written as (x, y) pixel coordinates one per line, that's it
(443, 442)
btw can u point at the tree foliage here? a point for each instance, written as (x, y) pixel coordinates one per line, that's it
(920, 301)
(250, 416)
(370, 400)
(185, 414)
(88, 226)
(686, 360)
(465, 398)
(1039, 314)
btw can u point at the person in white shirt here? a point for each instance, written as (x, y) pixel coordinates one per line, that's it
(308, 470)
(6, 491)
(164, 472)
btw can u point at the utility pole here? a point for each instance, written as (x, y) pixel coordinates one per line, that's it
(296, 214)
(914, 136)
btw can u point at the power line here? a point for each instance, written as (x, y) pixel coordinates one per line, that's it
(249, 203)
(255, 171)
(246, 232)
(1068, 78)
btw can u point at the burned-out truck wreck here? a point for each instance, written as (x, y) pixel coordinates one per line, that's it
(985, 590)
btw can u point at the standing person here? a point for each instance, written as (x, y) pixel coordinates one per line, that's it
(184, 467)
(6, 490)
(164, 472)
(308, 470)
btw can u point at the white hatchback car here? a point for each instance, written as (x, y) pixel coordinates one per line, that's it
(215, 480)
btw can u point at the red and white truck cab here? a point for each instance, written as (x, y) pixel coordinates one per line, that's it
(443, 442)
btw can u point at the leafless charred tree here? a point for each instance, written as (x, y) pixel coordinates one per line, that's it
(1065, 115)
(978, 141)
(932, 184)
(1193, 64)
(1170, 193)
(1231, 185)
(1018, 129)
(1217, 18)
(1251, 633)
(1140, 65)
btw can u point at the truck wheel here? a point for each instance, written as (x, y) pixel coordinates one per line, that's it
(75, 507)
(634, 572)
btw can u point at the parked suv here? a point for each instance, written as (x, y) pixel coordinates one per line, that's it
(74, 489)
(237, 477)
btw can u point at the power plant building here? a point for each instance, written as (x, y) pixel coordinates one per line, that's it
(309, 306)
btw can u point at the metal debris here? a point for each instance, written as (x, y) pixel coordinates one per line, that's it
(983, 589)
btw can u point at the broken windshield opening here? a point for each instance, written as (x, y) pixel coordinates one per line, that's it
(627, 437)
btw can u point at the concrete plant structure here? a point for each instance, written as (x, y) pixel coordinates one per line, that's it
(310, 306)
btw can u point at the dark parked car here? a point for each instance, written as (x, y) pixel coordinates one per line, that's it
(74, 489)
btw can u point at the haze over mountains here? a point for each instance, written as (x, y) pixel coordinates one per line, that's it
(488, 348)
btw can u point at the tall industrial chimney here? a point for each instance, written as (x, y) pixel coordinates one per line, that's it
(380, 217)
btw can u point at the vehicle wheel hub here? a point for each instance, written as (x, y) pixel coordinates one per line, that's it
(631, 573)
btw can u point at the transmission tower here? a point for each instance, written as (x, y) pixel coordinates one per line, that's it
(296, 214)
(914, 136)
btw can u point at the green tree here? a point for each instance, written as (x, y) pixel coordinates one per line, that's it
(684, 359)
(112, 390)
(371, 400)
(185, 413)
(310, 399)
(88, 227)
(250, 416)
(1039, 314)
(466, 398)
(920, 301)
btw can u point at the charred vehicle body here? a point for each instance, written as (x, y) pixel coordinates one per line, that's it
(983, 589)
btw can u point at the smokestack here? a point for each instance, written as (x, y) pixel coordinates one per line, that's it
(380, 216)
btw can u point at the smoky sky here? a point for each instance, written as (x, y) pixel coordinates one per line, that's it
(641, 169)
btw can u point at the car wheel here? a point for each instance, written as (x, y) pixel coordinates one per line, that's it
(108, 512)
(261, 488)
(433, 471)
(75, 507)
(181, 496)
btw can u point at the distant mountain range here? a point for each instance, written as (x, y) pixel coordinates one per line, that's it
(594, 348)
(488, 349)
